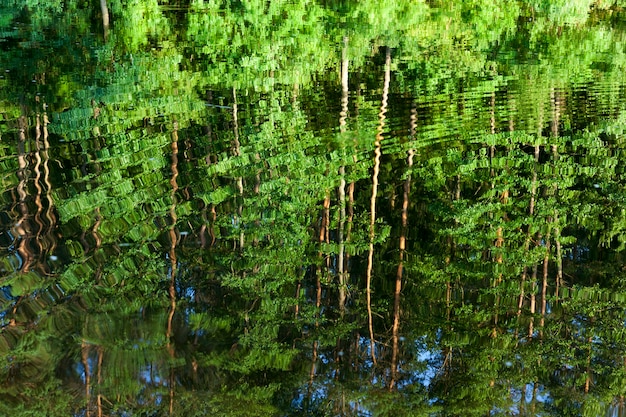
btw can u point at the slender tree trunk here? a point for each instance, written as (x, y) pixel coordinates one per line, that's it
(173, 237)
(556, 112)
(559, 256)
(50, 215)
(85, 349)
(533, 186)
(318, 304)
(557, 230)
(297, 297)
(312, 370)
(377, 154)
(105, 18)
(499, 243)
(402, 247)
(398, 288)
(531, 213)
(325, 236)
(588, 371)
(99, 380)
(499, 259)
(350, 217)
(533, 301)
(208, 221)
(322, 237)
(456, 196)
(533, 400)
(98, 242)
(492, 124)
(38, 235)
(22, 228)
(340, 261)
(350, 204)
(44, 217)
(544, 284)
(239, 180)
(342, 173)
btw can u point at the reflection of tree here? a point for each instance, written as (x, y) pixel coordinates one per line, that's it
(546, 173)
(493, 282)
(105, 17)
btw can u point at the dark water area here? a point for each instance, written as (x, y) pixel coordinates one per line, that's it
(312, 208)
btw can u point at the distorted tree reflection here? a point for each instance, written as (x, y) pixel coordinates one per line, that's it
(328, 209)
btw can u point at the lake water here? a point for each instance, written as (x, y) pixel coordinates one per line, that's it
(321, 209)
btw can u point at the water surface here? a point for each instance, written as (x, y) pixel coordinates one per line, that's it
(299, 208)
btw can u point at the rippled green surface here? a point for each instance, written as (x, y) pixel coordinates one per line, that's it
(300, 208)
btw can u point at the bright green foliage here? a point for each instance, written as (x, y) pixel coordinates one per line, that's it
(255, 45)
(179, 194)
(138, 23)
